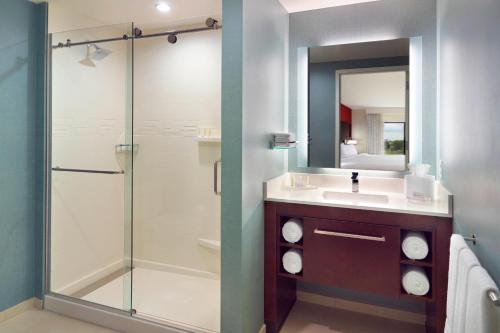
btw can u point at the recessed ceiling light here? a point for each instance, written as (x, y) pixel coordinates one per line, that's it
(162, 7)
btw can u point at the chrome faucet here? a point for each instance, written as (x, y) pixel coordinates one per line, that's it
(355, 182)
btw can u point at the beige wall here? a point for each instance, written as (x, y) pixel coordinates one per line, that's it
(360, 123)
(360, 130)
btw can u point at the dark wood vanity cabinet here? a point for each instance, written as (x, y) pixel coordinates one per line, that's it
(336, 257)
(353, 249)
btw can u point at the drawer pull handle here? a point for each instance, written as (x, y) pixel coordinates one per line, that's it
(354, 236)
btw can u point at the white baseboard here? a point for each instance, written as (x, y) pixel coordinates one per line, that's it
(29, 304)
(102, 272)
(373, 310)
(116, 320)
(90, 278)
(158, 266)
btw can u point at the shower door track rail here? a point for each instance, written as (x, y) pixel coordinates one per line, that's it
(106, 172)
(211, 24)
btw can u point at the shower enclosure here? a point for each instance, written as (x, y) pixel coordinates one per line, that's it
(133, 150)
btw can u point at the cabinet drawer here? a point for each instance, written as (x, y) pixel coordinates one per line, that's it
(351, 255)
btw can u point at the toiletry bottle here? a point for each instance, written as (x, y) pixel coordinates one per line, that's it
(355, 182)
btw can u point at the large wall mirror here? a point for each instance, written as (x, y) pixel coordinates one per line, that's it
(356, 105)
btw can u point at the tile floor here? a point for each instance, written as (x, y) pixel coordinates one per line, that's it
(37, 321)
(305, 318)
(312, 318)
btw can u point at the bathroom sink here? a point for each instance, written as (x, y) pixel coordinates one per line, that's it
(356, 197)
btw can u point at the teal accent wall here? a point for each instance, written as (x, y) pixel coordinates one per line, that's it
(469, 103)
(22, 35)
(265, 36)
(254, 64)
(231, 176)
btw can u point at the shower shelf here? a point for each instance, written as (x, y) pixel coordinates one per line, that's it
(214, 139)
(209, 244)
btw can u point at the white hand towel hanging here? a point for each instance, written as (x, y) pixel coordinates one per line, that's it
(457, 244)
(480, 312)
(466, 261)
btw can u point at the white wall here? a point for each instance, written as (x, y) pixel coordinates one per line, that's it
(176, 90)
(469, 93)
(374, 90)
(89, 107)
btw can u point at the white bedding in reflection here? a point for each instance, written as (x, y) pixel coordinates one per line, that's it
(374, 162)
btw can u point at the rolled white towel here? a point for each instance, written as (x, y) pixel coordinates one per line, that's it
(292, 231)
(415, 246)
(415, 281)
(292, 261)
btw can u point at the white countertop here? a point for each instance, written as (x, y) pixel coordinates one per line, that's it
(279, 190)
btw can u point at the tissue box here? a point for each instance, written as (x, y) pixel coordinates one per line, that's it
(420, 187)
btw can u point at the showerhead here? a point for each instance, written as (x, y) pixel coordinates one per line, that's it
(87, 61)
(99, 53)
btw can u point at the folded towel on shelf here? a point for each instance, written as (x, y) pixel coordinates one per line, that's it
(480, 312)
(415, 281)
(292, 261)
(466, 261)
(415, 246)
(292, 231)
(457, 244)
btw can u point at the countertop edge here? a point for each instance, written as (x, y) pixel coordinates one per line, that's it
(347, 206)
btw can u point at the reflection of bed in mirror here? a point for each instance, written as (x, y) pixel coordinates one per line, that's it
(351, 159)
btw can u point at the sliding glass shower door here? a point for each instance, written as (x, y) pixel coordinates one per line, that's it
(135, 154)
(91, 165)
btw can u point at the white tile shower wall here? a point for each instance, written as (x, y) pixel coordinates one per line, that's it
(88, 111)
(176, 90)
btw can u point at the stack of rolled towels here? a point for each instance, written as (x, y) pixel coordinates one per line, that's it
(292, 232)
(414, 279)
(415, 246)
(292, 261)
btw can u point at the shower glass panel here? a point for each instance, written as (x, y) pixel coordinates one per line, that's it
(91, 147)
(177, 115)
(135, 153)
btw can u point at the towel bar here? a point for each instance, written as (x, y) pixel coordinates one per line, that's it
(494, 297)
(491, 294)
(472, 239)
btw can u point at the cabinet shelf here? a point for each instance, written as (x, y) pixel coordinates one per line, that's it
(291, 276)
(419, 263)
(426, 298)
(212, 139)
(297, 246)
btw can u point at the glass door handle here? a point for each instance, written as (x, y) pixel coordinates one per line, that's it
(106, 172)
(216, 177)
